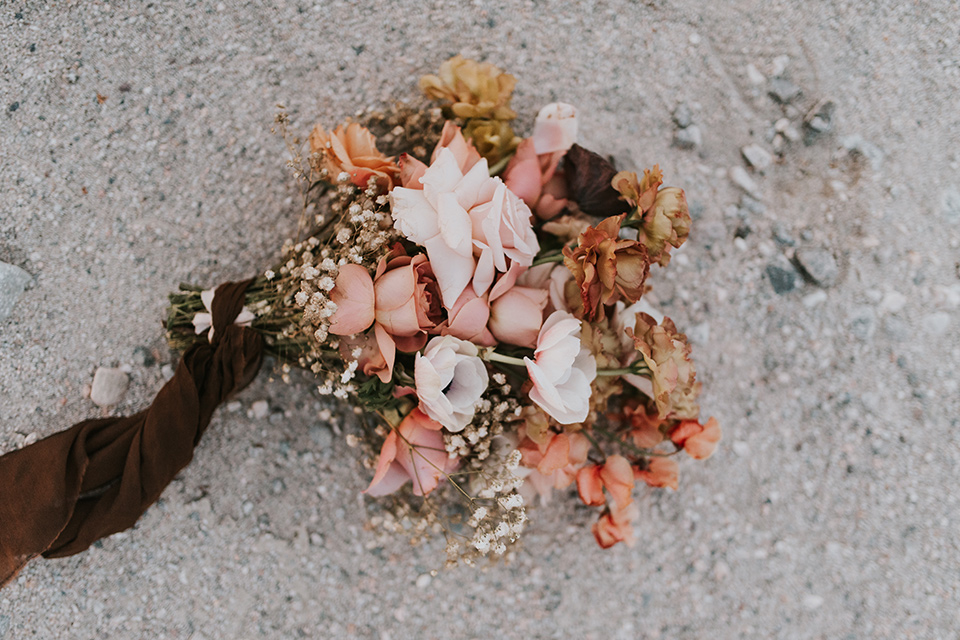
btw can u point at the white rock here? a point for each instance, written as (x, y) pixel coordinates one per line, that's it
(754, 75)
(259, 409)
(811, 601)
(13, 280)
(893, 302)
(109, 386)
(424, 580)
(756, 156)
(936, 324)
(740, 178)
(814, 299)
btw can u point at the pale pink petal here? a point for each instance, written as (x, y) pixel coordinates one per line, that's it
(414, 216)
(555, 128)
(442, 176)
(454, 224)
(354, 297)
(411, 170)
(388, 350)
(453, 270)
(523, 175)
(388, 453)
(507, 280)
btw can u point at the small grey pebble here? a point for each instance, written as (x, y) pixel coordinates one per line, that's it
(863, 323)
(896, 328)
(143, 357)
(818, 265)
(166, 371)
(276, 417)
(682, 115)
(109, 386)
(949, 206)
(321, 435)
(13, 281)
(783, 91)
(752, 205)
(278, 487)
(689, 138)
(857, 146)
(781, 233)
(782, 276)
(4, 625)
(247, 508)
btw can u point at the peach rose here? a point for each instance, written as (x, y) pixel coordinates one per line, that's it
(402, 300)
(413, 451)
(468, 318)
(517, 315)
(561, 370)
(353, 149)
(698, 440)
(532, 172)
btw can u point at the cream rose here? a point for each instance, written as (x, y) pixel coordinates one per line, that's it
(450, 378)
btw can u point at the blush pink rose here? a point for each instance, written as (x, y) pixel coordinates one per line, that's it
(413, 451)
(468, 318)
(562, 370)
(517, 315)
(471, 225)
(412, 170)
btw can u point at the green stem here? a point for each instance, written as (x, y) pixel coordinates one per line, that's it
(497, 168)
(622, 372)
(544, 259)
(492, 356)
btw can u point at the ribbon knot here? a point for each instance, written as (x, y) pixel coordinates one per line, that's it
(63, 493)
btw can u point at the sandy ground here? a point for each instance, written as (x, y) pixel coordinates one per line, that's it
(829, 510)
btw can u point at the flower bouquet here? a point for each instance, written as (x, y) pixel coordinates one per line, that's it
(478, 301)
(480, 298)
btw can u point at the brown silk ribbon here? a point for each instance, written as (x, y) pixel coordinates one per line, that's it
(63, 493)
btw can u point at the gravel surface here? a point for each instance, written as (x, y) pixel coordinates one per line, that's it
(135, 153)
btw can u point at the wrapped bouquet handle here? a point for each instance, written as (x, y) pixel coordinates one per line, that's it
(63, 493)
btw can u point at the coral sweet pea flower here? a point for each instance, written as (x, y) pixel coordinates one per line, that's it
(413, 451)
(698, 440)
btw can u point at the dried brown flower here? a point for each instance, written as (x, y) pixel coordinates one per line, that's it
(666, 353)
(662, 214)
(494, 139)
(607, 267)
(474, 89)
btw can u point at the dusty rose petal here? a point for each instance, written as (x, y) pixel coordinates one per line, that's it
(354, 297)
